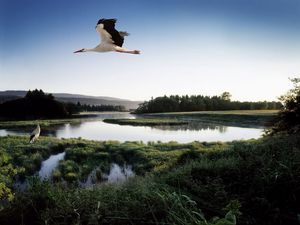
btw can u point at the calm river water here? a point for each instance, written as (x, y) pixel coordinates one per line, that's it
(96, 129)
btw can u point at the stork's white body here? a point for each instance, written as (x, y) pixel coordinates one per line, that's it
(104, 48)
(35, 134)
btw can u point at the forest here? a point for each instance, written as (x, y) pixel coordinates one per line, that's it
(186, 103)
(36, 104)
(100, 108)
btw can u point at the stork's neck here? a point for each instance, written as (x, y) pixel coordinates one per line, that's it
(88, 49)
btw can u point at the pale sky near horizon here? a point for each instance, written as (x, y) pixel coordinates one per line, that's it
(248, 48)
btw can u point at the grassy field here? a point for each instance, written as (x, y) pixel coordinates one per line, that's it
(244, 118)
(227, 112)
(146, 122)
(253, 182)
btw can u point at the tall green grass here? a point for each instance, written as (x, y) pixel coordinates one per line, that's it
(138, 201)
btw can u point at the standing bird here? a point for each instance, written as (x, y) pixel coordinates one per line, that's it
(111, 39)
(35, 134)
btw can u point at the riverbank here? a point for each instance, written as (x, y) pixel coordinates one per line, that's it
(242, 118)
(255, 181)
(75, 119)
(45, 122)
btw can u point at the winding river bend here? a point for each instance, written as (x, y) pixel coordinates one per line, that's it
(96, 129)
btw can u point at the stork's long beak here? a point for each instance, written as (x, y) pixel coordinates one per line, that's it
(81, 50)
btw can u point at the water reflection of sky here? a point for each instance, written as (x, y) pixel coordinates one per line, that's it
(4, 132)
(98, 130)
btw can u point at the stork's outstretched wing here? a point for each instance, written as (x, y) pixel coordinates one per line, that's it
(104, 35)
(108, 33)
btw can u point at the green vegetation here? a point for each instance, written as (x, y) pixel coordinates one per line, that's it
(32, 123)
(138, 201)
(186, 103)
(255, 181)
(82, 157)
(249, 118)
(43, 123)
(27, 156)
(146, 121)
(6, 181)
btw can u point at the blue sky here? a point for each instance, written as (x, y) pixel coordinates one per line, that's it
(246, 47)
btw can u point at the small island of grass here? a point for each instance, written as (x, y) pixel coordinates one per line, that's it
(241, 118)
(146, 122)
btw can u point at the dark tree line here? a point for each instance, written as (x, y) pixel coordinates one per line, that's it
(36, 104)
(100, 108)
(176, 103)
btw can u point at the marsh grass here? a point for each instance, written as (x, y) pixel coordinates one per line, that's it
(138, 201)
(243, 118)
(29, 156)
(75, 119)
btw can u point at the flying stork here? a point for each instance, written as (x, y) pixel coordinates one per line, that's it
(111, 39)
(35, 134)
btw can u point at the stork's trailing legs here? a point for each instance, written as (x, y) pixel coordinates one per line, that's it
(128, 51)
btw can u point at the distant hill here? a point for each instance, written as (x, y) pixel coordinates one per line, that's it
(13, 93)
(5, 98)
(66, 97)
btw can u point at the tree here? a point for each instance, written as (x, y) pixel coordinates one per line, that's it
(226, 96)
(38, 94)
(288, 119)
